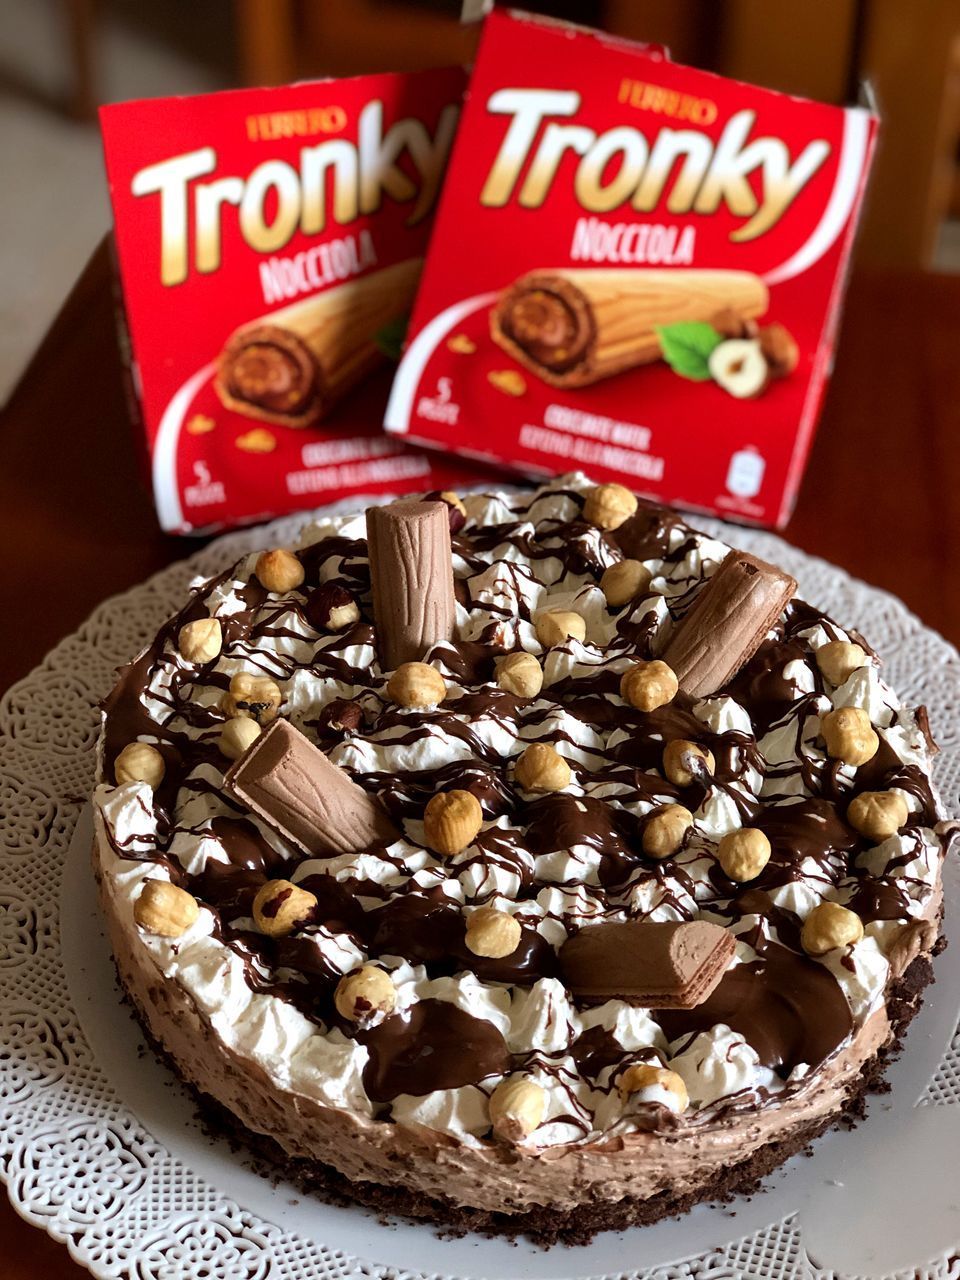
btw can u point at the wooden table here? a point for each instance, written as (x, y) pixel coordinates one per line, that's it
(881, 496)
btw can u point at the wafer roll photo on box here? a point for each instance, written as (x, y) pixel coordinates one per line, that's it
(574, 327)
(293, 365)
(269, 243)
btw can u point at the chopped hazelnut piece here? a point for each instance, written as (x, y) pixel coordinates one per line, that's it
(510, 381)
(331, 608)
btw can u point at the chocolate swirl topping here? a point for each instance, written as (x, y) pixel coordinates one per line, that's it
(560, 859)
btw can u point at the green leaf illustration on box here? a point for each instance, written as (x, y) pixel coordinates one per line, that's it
(687, 347)
(391, 337)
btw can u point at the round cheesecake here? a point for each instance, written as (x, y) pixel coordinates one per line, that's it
(604, 904)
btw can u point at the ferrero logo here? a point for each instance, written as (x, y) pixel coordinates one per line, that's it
(683, 170)
(336, 181)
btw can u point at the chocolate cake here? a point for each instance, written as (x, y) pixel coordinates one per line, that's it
(523, 862)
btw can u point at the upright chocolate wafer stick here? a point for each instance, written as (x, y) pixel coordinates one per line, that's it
(727, 623)
(411, 572)
(292, 785)
(653, 965)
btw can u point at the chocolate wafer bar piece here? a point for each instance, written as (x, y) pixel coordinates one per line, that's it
(728, 621)
(652, 966)
(411, 572)
(292, 785)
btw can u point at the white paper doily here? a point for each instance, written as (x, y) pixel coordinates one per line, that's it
(97, 1143)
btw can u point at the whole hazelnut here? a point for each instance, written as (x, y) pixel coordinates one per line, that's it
(648, 685)
(415, 684)
(609, 505)
(839, 659)
(331, 608)
(642, 1076)
(877, 814)
(451, 821)
(731, 324)
(492, 933)
(685, 762)
(665, 830)
(341, 716)
(364, 993)
(829, 926)
(237, 735)
(517, 1107)
(200, 641)
(280, 906)
(849, 736)
(164, 909)
(624, 581)
(458, 512)
(743, 854)
(253, 697)
(139, 762)
(542, 768)
(279, 570)
(520, 674)
(779, 349)
(555, 626)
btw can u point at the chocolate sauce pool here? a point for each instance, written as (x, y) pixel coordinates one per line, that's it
(789, 1008)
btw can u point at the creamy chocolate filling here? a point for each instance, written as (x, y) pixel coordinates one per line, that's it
(550, 321)
(271, 369)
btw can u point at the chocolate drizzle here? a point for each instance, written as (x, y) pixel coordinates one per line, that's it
(434, 1045)
(790, 1009)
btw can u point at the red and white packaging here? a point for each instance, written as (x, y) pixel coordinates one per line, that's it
(269, 244)
(636, 269)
